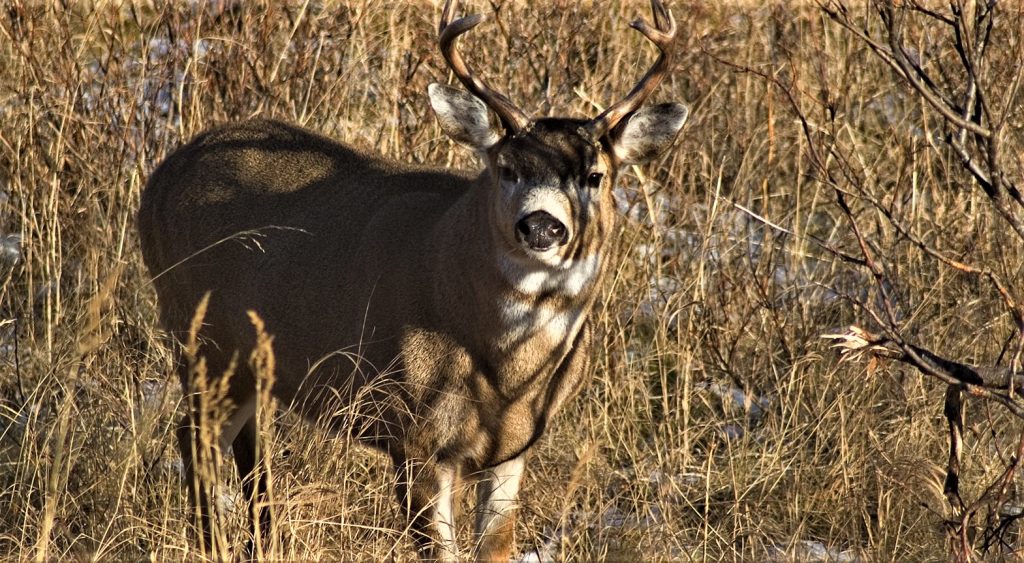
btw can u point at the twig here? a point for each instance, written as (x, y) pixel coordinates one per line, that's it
(989, 382)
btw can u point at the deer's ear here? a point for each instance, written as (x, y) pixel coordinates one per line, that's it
(648, 132)
(463, 117)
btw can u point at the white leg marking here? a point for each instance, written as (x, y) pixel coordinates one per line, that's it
(498, 494)
(444, 514)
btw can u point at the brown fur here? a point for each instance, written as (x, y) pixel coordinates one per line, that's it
(445, 314)
(391, 263)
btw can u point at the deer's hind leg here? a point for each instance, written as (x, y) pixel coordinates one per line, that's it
(255, 482)
(201, 443)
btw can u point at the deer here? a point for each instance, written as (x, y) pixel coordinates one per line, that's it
(447, 310)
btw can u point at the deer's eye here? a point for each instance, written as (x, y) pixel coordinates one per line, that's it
(594, 180)
(507, 174)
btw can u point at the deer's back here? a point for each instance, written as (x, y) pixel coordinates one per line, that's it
(303, 230)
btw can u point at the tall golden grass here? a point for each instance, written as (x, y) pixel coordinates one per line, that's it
(717, 425)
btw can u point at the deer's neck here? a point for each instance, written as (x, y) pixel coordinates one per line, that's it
(522, 315)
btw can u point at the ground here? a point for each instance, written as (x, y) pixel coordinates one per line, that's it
(718, 424)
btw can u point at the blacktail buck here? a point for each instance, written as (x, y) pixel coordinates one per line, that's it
(445, 311)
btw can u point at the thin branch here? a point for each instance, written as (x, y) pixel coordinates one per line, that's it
(989, 382)
(1015, 310)
(819, 242)
(928, 90)
(954, 412)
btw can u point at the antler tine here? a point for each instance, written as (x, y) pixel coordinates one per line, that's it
(662, 34)
(514, 120)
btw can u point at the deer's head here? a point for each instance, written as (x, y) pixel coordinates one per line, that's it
(553, 177)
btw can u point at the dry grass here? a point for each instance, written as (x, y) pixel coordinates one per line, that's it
(657, 459)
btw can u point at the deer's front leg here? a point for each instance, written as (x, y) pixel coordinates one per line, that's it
(426, 492)
(497, 500)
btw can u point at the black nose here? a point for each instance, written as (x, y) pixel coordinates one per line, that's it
(541, 230)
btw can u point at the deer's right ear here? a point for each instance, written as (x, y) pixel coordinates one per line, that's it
(463, 117)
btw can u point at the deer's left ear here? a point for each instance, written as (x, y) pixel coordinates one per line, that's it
(463, 117)
(647, 133)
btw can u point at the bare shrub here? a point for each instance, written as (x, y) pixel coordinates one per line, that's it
(717, 424)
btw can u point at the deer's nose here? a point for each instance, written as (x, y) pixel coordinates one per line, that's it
(541, 231)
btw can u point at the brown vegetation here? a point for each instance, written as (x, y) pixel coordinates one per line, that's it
(718, 424)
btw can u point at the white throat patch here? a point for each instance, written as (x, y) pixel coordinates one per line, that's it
(525, 318)
(567, 278)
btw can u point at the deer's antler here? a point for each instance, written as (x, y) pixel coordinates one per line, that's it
(514, 120)
(662, 34)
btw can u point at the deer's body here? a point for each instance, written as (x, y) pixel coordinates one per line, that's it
(440, 316)
(267, 217)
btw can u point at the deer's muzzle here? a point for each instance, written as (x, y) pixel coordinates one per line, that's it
(541, 231)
